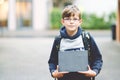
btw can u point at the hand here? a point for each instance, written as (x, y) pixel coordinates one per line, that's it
(57, 74)
(89, 73)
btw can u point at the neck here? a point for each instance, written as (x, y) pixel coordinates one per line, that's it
(71, 33)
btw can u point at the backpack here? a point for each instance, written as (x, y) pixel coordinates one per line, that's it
(86, 41)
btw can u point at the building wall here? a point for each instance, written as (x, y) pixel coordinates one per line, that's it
(118, 23)
(39, 15)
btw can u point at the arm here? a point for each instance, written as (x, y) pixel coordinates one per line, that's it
(95, 60)
(53, 60)
(95, 57)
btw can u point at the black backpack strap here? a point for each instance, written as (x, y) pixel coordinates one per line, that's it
(58, 39)
(86, 40)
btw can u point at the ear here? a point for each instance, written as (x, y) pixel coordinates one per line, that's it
(80, 21)
(62, 21)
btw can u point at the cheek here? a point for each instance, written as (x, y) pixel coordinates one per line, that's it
(79, 23)
(62, 21)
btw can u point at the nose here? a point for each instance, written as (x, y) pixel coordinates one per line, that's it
(71, 20)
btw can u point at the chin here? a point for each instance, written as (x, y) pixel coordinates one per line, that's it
(72, 30)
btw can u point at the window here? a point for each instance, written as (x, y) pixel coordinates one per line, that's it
(3, 13)
(24, 13)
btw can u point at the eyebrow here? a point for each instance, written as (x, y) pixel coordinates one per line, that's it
(73, 17)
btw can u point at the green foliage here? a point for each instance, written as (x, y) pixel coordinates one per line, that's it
(112, 17)
(89, 21)
(55, 18)
(92, 21)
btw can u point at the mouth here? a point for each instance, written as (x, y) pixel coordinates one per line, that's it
(71, 26)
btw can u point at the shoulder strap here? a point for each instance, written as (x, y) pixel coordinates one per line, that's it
(58, 39)
(86, 39)
(86, 42)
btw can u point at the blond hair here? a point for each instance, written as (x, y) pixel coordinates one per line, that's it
(71, 10)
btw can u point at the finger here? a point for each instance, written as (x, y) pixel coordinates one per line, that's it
(82, 72)
(60, 76)
(89, 67)
(57, 67)
(64, 72)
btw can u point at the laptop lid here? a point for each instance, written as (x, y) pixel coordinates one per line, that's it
(73, 61)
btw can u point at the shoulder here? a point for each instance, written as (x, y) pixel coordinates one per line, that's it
(57, 39)
(86, 34)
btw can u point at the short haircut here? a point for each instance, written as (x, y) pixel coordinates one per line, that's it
(71, 10)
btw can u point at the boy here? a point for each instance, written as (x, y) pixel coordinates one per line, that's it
(71, 33)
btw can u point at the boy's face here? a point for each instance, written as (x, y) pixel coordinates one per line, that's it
(71, 23)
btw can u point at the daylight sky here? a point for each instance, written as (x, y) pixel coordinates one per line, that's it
(97, 6)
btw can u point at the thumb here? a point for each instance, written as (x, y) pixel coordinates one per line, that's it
(89, 67)
(57, 67)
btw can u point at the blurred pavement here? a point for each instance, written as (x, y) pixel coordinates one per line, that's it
(24, 55)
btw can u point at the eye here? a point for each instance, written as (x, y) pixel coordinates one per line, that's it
(75, 19)
(67, 19)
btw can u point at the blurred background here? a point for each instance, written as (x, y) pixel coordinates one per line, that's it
(28, 28)
(32, 15)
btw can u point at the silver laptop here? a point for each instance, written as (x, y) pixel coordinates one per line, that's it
(73, 61)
